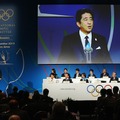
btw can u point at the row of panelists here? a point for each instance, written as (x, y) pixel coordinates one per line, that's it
(66, 77)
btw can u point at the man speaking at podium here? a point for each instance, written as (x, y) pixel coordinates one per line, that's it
(84, 46)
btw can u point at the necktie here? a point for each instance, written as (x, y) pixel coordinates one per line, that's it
(87, 44)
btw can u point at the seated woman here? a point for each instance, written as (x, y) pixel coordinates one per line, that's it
(91, 73)
(52, 78)
(54, 72)
(83, 78)
(114, 77)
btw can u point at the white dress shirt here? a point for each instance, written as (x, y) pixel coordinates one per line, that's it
(82, 36)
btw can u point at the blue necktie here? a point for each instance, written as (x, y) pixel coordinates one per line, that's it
(87, 44)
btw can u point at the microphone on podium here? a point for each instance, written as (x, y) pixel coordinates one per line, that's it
(88, 51)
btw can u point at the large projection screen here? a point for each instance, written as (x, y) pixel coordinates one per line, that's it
(57, 21)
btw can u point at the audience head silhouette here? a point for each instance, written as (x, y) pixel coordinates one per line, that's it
(14, 117)
(45, 92)
(58, 109)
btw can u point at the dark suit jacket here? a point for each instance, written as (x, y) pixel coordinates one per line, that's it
(72, 50)
(114, 79)
(63, 75)
(92, 75)
(102, 75)
(70, 80)
(78, 75)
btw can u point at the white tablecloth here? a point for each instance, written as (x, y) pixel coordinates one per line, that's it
(77, 90)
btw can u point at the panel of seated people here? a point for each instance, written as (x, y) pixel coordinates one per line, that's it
(79, 80)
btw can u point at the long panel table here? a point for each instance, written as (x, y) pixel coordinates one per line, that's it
(76, 90)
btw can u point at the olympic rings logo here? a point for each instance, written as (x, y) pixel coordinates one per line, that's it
(6, 14)
(92, 89)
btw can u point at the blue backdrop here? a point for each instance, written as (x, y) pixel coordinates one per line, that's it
(33, 74)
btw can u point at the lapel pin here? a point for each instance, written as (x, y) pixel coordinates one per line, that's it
(95, 39)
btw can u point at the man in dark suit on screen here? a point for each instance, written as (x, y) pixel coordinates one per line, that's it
(84, 46)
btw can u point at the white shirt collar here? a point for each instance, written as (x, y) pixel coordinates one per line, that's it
(77, 75)
(82, 36)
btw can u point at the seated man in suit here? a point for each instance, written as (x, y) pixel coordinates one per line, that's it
(84, 77)
(77, 73)
(104, 73)
(65, 71)
(76, 46)
(114, 77)
(67, 78)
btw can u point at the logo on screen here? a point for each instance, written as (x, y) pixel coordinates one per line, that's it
(5, 15)
(4, 57)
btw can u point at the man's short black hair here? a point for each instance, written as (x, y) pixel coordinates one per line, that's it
(92, 70)
(80, 12)
(65, 69)
(77, 69)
